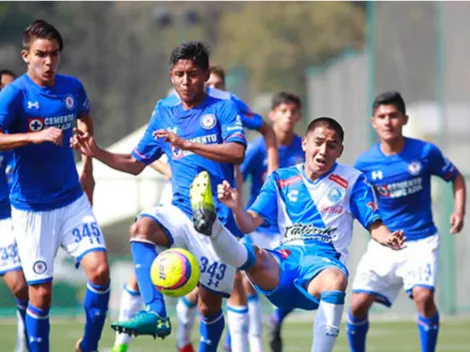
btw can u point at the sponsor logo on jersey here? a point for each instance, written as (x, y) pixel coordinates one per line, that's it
(414, 168)
(289, 181)
(208, 121)
(339, 180)
(178, 153)
(377, 175)
(33, 105)
(332, 209)
(69, 102)
(35, 125)
(335, 195)
(293, 195)
(308, 232)
(401, 189)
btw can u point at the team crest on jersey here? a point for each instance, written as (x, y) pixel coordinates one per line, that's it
(335, 195)
(39, 267)
(414, 168)
(69, 102)
(35, 125)
(208, 121)
(383, 191)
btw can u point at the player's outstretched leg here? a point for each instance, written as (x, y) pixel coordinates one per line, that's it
(428, 318)
(357, 323)
(186, 311)
(131, 303)
(95, 265)
(146, 233)
(15, 281)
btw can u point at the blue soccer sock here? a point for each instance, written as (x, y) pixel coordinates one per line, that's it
(281, 313)
(96, 307)
(37, 325)
(144, 254)
(211, 329)
(428, 331)
(228, 339)
(356, 329)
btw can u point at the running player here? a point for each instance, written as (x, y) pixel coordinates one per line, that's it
(49, 206)
(197, 132)
(314, 205)
(400, 169)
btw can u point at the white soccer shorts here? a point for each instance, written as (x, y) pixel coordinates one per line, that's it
(383, 272)
(167, 194)
(264, 240)
(9, 258)
(216, 276)
(39, 235)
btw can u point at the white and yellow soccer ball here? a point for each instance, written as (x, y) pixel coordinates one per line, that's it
(175, 272)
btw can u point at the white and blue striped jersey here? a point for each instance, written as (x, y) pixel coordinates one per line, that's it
(317, 215)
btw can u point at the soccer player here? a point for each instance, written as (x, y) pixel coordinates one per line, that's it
(285, 114)
(198, 132)
(314, 205)
(187, 306)
(400, 169)
(6, 77)
(49, 206)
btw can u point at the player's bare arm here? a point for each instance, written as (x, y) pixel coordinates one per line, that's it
(17, 140)
(232, 152)
(271, 146)
(85, 124)
(380, 233)
(162, 168)
(247, 221)
(460, 199)
(86, 145)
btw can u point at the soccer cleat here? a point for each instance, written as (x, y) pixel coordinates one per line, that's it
(120, 348)
(202, 203)
(78, 347)
(274, 335)
(187, 348)
(144, 323)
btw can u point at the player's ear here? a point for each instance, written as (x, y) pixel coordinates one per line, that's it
(340, 152)
(304, 143)
(207, 74)
(25, 56)
(372, 122)
(405, 120)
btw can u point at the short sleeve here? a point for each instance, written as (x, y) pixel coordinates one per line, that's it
(363, 203)
(149, 148)
(249, 119)
(265, 204)
(230, 124)
(10, 102)
(440, 165)
(84, 103)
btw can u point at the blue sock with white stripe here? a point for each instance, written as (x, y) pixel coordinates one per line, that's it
(428, 331)
(144, 254)
(356, 330)
(96, 307)
(38, 327)
(211, 329)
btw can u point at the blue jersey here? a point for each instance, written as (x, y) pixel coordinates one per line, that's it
(403, 184)
(44, 175)
(249, 119)
(317, 216)
(214, 121)
(255, 166)
(5, 211)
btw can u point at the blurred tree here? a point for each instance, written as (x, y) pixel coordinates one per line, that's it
(276, 41)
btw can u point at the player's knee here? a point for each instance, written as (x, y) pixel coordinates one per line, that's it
(360, 304)
(40, 295)
(337, 281)
(137, 231)
(207, 310)
(99, 273)
(19, 288)
(424, 298)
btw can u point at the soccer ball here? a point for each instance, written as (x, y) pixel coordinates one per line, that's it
(175, 272)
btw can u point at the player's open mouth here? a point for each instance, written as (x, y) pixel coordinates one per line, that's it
(320, 161)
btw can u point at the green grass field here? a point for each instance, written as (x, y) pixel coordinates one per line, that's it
(396, 336)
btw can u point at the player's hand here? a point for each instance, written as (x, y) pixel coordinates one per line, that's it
(396, 240)
(172, 138)
(84, 143)
(88, 184)
(52, 134)
(456, 222)
(228, 195)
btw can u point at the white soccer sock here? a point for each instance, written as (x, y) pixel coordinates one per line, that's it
(238, 324)
(327, 322)
(20, 335)
(186, 314)
(228, 247)
(131, 303)
(255, 332)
